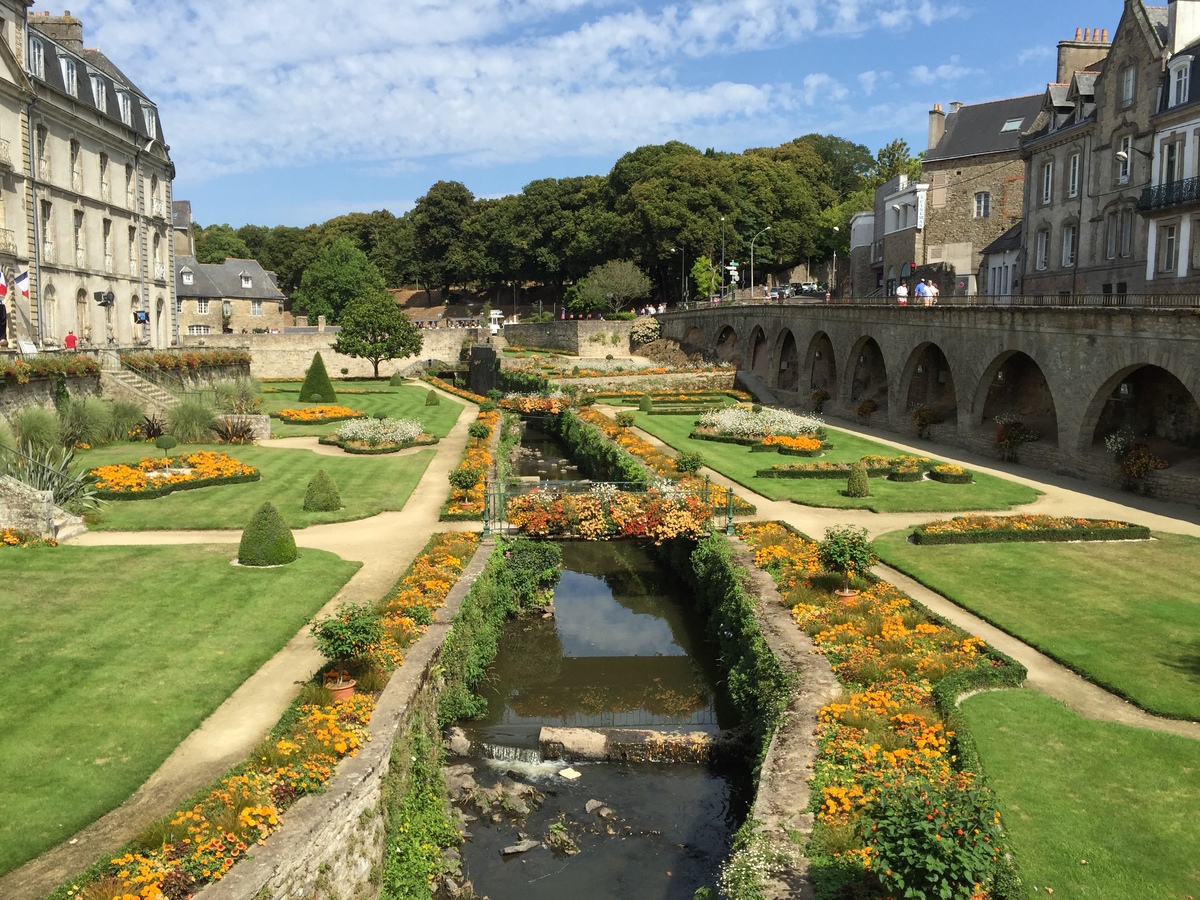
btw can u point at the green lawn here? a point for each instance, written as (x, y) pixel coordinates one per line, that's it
(738, 463)
(1125, 614)
(112, 655)
(1072, 789)
(403, 402)
(368, 485)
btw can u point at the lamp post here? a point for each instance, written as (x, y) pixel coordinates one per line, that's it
(752, 240)
(722, 259)
(833, 280)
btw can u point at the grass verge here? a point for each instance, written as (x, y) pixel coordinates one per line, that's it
(377, 398)
(1093, 810)
(737, 462)
(109, 665)
(1115, 612)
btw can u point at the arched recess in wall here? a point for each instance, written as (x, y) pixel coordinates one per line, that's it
(760, 354)
(161, 338)
(49, 324)
(727, 345)
(1013, 385)
(693, 341)
(1152, 404)
(788, 376)
(869, 379)
(927, 381)
(821, 366)
(83, 322)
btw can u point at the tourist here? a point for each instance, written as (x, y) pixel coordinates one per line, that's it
(902, 294)
(933, 293)
(921, 293)
(70, 341)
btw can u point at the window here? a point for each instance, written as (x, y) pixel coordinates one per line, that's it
(247, 281)
(202, 307)
(1126, 233)
(178, 305)
(126, 104)
(1048, 182)
(108, 247)
(1168, 237)
(79, 237)
(37, 58)
(256, 307)
(1128, 85)
(1073, 175)
(1181, 76)
(226, 309)
(1070, 233)
(100, 93)
(43, 153)
(76, 166)
(129, 185)
(70, 77)
(1123, 159)
(1172, 162)
(983, 205)
(1042, 255)
(133, 250)
(1011, 125)
(151, 121)
(1112, 235)
(199, 329)
(188, 277)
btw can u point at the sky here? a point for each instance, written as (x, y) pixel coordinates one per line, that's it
(290, 112)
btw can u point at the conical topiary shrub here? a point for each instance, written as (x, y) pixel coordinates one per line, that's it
(322, 494)
(317, 387)
(267, 540)
(858, 484)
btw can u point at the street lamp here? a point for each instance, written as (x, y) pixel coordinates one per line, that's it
(752, 240)
(722, 259)
(833, 280)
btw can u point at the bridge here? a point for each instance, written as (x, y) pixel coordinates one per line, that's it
(1072, 373)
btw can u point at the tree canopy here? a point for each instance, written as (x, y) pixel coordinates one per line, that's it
(374, 328)
(339, 275)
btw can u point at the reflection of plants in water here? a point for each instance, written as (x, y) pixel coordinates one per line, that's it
(532, 654)
(655, 698)
(663, 701)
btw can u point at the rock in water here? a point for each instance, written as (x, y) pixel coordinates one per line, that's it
(523, 847)
(569, 774)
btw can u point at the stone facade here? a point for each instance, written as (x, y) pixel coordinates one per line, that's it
(585, 337)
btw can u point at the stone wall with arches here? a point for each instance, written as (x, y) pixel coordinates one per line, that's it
(1072, 375)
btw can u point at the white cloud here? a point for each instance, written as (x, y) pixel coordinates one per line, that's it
(948, 71)
(867, 81)
(1035, 55)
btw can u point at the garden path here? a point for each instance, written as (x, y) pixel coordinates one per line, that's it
(385, 545)
(1059, 498)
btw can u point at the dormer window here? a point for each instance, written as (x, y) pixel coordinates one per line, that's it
(151, 121)
(37, 58)
(70, 77)
(126, 104)
(1181, 77)
(188, 276)
(247, 281)
(99, 92)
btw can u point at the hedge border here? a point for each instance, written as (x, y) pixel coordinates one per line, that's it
(1040, 536)
(289, 421)
(791, 472)
(331, 440)
(964, 478)
(167, 489)
(906, 476)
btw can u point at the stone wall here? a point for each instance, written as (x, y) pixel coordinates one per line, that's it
(580, 336)
(26, 509)
(41, 391)
(289, 355)
(331, 844)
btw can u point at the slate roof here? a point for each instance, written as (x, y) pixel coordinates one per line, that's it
(1158, 17)
(975, 130)
(1010, 240)
(223, 281)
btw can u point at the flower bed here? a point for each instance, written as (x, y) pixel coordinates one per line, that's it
(468, 481)
(186, 361)
(20, 371)
(981, 529)
(452, 389)
(794, 446)
(897, 793)
(529, 404)
(660, 514)
(317, 415)
(742, 422)
(158, 476)
(679, 397)
(949, 474)
(15, 537)
(877, 467)
(376, 436)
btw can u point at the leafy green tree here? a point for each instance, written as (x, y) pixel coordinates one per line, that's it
(707, 277)
(217, 243)
(374, 328)
(437, 221)
(340, 274)
(613, 285)
(895, 159)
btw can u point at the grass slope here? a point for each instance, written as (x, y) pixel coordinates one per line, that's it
(738, 463)
(1073, 789)
(368, 484)
(113, 655)
(404, 402)
(1117, 612)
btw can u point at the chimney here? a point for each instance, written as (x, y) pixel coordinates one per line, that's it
(1091, 45)
(937, 125)
(955, 106)
(65, 29)
(1183, 24)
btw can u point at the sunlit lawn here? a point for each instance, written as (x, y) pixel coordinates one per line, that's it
(1094, 811)
(112, 655)
(737, 462)
(1123, 613)
(368, 485)
(376, 398)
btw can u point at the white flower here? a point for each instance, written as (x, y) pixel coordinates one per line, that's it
(742, 422)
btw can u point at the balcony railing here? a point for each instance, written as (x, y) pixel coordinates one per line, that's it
(159, 208)
(1173, 193)
(1056, 301)
(77, 182)
(80, 257)
(44, 172)
(5, 155)
(48, 254)
(105, 192)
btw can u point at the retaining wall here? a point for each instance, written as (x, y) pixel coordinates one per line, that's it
(41, 391)
(580, 336)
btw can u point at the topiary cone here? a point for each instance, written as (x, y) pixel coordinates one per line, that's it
(322, 494)
(317, 386)
(267, 540)
(858, 484)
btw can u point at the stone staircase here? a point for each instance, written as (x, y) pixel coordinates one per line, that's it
(755, 387)
(123, 384)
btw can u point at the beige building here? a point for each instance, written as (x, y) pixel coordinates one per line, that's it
(85, 190)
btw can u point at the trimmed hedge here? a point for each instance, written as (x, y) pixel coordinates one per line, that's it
(1128, 533)
(944, 478)
(317, 388)
(906, 475)
(726, 439)
(267, 540)
(603, 460)
(322, 494)
(798, 472)
(155, 493)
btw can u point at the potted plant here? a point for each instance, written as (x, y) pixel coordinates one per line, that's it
(846, 551)
(349, 635)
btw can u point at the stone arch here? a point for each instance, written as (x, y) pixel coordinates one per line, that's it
(869, 377)
(927, 380)
(83, 318)
(1014, 384)
(788, 354)
(821, 365)
(48, 327)
(1151, 402)
(760, 354)
(693, 341)
(727, 345)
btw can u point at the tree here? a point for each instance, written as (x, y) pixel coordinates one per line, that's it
(374, 328)
(613, 285)
(437, 221)
(706, 276)
(895, 159)
(340, 274)
(217, 243)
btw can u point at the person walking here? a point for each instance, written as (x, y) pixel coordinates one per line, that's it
(902, 294)
(70, 341)
(933, 292)
(921, 292)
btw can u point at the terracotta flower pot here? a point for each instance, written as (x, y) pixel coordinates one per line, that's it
(846, 596)
(341, 690)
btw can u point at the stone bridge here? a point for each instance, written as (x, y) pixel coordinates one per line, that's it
(1074, 375)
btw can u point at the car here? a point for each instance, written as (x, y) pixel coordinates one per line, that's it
(810, 287)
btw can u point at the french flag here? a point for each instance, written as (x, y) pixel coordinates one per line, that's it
(23, 284)
(3, 285)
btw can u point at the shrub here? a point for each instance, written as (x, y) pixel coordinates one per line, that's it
(8, 437)
(923, 418)
(191, 420)
(859, 483)
(37, 427)
(238, 395)
(317, 387)
(479, 430)
(625, 419)
(644, 331)
(73, 490)
(350, 633)
(465, 477)
(865, 407)
(267, 540)
(234, 430)
(125, 418)
(396, 380)
(84, 420)
(153, 427)
(166, 442)
(689, 462)
(819, 398)
(608, 356)
(846, 551)
(487, 406)
(645, 404)
(433, 398)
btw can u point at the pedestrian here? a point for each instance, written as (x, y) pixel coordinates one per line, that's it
(933, 292)
(70, 341)
(662, 308)
(921, 292)
(902, 294)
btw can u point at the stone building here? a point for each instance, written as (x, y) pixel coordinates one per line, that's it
(864, 279)
(85, 184)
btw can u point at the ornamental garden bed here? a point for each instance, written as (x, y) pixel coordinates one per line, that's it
(877, 467)
(373, 437)
(1025, 528)
(605, 512)
(949, 474)
(317, 415)
(155, 477)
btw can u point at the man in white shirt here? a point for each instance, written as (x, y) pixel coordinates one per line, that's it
(902, 294)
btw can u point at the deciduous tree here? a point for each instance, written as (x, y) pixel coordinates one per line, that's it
(374, 328)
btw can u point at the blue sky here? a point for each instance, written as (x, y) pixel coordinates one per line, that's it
(294, 111)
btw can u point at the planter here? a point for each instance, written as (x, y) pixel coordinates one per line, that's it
(846, 596)
(341, 688)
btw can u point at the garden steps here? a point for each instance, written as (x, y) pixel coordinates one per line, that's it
(757, 388)
(126, 385)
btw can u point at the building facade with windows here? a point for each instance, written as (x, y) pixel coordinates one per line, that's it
(236, 296)
(85, 186)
